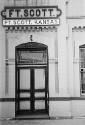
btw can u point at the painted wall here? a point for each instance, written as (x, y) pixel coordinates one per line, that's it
(76, 8)
(76, 37)
(57, 40)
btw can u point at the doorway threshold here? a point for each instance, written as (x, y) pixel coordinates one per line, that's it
(31, 117)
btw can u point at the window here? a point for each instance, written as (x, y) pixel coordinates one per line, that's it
(82, 68)
(33, 57)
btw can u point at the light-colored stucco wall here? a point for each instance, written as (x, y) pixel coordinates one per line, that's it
(11, 39)
(76, 37)
(76, 8)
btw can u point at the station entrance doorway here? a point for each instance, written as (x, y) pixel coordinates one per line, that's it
(31, 74)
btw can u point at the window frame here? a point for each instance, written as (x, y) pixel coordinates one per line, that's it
(82, 70)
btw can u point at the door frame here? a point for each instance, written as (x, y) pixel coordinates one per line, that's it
(17, 81)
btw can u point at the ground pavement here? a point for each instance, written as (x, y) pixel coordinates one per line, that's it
(72, 121)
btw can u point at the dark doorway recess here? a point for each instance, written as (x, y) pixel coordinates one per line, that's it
(31, 79)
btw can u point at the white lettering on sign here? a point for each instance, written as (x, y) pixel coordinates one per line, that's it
(30, 22)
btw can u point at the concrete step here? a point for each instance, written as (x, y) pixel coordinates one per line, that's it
(26, 117)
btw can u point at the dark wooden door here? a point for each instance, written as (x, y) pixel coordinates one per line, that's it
(32, 91)
(31, 78)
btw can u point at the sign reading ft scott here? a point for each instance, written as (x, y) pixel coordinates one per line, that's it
(31, 16)
(31, 12)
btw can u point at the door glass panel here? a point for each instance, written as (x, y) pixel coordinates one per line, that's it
(39, 78)
(83, 82)
(40, 104)
(24, 105)
(24, 78)
(82, 57)
(25, 95)
(39, 94)
(39, 84)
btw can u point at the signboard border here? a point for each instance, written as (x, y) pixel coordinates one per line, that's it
(30, 7)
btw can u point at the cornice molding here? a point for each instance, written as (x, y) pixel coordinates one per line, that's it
(75, 17)
(78, 28)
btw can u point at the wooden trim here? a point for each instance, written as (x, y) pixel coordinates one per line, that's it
(7, 99)
(28, 90)
(31, 66)
(40, 98)
(24, 90)
(15, 80)
(65, 98)
(24, 99)
(32, 79)
(6, 66)
(50, 99)
(34, 99)
(37, 111)
(39, 90)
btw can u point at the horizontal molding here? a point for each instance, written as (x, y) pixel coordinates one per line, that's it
(7, 99)
(28, 90)
(11, 61)
(34, 65)
(65, 98)
(50, 99)
(75, 17)
(29, 99)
